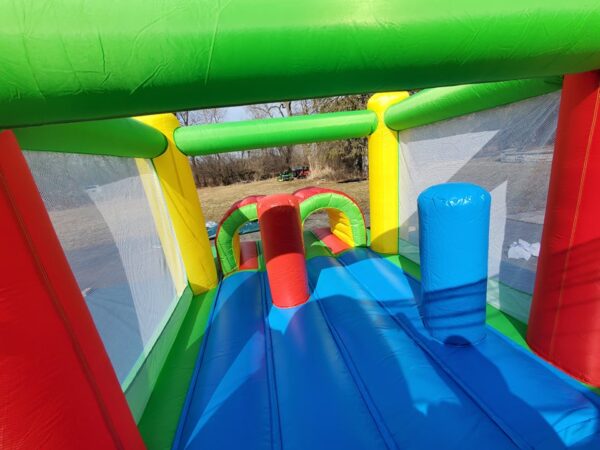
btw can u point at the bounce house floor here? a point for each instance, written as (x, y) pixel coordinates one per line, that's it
(354, 368)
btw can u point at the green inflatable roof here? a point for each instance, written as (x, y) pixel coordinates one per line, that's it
(73, 60)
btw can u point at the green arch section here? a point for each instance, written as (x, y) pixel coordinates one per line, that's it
(332, 200)
(227, 231)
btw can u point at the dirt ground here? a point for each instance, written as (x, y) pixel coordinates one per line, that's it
(216, 200)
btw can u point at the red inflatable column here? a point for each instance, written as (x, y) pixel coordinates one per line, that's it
(564, 324)
(58, 389)
(283, 247)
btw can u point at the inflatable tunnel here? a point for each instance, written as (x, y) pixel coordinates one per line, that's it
(346, 220)
(346, 226)
(232, 254)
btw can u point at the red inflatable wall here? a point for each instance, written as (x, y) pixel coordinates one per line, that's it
(57, 386)
(335, 244)
(564, 324)
(283, 248)
(248, 255)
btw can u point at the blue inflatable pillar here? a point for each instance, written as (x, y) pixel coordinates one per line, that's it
(454, 221)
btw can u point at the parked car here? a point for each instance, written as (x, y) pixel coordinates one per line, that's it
(295, 172)
(301, 172)
(286, 175)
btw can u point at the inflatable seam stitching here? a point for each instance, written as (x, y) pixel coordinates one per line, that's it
(357, 380)
(274, 417)
(63, 316)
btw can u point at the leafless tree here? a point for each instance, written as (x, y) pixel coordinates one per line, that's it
(273, 110)
(340, 160)
(201, 116)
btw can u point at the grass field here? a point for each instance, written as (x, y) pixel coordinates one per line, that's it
(216, 200)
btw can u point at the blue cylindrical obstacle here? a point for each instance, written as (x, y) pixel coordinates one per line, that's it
(454, 221)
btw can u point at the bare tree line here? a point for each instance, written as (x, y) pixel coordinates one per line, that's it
(332, 160)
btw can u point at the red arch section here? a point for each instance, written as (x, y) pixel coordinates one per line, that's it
(307, 192)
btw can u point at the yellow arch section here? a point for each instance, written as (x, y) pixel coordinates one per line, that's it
(340, 226)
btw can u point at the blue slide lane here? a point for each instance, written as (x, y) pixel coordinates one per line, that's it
(319, 403)
(354, 368)
(228, 405)
(307, 398)
(537, 405)
(421, 405)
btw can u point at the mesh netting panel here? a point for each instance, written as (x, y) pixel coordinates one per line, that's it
(106, 226)
(508, 151)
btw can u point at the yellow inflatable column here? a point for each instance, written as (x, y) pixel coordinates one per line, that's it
(175, 175)
(166, 234)
(383, 176)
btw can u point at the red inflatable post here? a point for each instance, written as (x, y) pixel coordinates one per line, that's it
(564, 324)
(57, 386)
(283, 248)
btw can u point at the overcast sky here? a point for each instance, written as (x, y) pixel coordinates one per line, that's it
(236, 113)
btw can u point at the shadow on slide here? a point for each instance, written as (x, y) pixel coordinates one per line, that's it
(353, 369)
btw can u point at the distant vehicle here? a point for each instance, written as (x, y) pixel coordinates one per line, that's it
(286, 175)
(301, 172)
(295, 172)
(93, 188)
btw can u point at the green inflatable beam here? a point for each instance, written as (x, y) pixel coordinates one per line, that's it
(265, 133)
(113, 137)
(226, 234)
(71, 60)
(434, 105)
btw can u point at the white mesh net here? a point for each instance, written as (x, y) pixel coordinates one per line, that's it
(508, 151)
(113, 238)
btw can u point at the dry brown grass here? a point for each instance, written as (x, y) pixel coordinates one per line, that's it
(216, 200)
